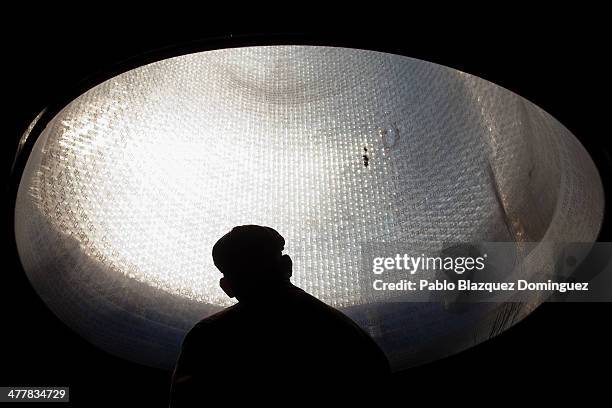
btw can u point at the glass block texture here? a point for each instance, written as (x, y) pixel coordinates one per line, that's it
(129, 186)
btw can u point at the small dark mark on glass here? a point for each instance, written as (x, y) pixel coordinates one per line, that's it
(366, 159)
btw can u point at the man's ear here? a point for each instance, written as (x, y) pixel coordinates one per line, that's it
(287, 265)
(227, 287)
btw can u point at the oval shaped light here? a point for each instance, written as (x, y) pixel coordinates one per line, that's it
(129, 186)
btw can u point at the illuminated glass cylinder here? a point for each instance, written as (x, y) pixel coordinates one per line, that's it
(129, 186)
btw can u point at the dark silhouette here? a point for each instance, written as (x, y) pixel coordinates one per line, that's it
(276, 334)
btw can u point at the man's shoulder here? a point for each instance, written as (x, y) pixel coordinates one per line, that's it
(322, 308)
(216, 319)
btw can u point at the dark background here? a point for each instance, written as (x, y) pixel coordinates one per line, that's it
(556, 62)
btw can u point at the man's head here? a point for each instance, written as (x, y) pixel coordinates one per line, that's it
(251, 260)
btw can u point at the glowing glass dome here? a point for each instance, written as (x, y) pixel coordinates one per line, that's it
(129, 186)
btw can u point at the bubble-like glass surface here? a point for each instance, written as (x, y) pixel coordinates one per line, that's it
(130, 185)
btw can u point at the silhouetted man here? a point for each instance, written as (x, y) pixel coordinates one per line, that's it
(276, 334)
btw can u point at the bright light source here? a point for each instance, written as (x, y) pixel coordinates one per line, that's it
(128, 188)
